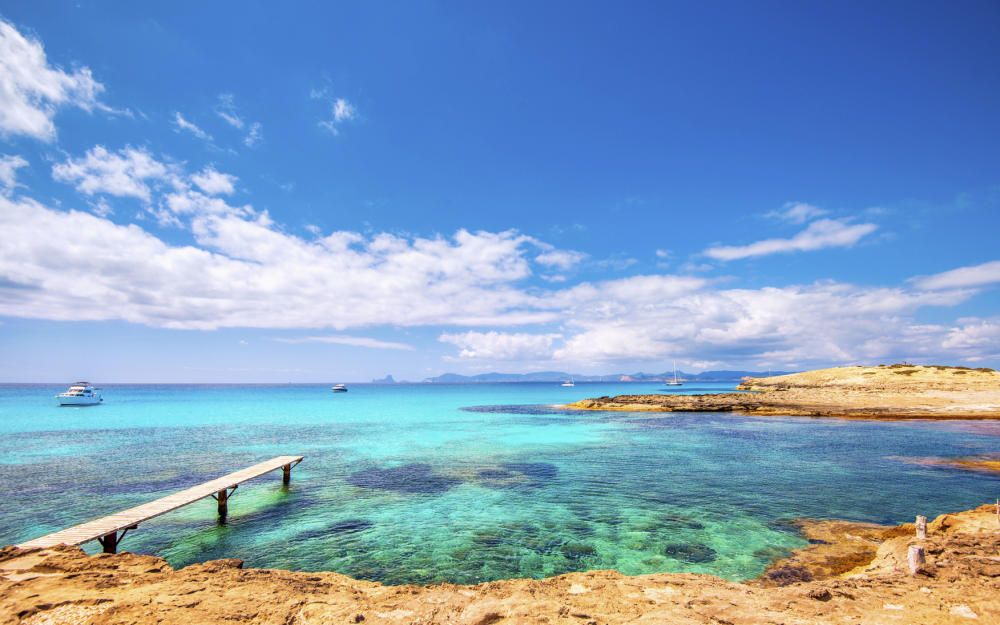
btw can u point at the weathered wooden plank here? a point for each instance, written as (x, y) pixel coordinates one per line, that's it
(92, 530)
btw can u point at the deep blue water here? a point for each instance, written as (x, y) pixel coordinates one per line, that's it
(465, 483)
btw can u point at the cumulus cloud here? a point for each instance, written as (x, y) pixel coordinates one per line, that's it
(962, 277)
(213, 182)
(797, 212)
(502, 345)
(125, 173)
(245, 272)
(820, 234)
(975, 339)
(187, 126)
(9, 164)
(560, 259)
(31, 90)
(354, 341)
(242, 269)
(659, 318)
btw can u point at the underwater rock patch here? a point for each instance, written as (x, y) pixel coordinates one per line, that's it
(416, 478)
(347, 526)
(534, 409)
(577, 551)
(693, 553)
(534, 470)
(682, 522)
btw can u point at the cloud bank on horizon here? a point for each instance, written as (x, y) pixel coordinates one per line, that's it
(198, 255)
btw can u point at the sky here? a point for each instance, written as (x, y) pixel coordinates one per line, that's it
(316, 192)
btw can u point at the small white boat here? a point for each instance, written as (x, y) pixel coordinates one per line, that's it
(675, 381)
(339, 388)
(568, 383)
(80, 394)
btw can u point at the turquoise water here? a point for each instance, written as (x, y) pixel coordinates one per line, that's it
(466, 483)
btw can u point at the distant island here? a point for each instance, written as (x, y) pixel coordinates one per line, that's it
(556, 376)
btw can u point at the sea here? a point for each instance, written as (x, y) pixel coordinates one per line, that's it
(422, 483)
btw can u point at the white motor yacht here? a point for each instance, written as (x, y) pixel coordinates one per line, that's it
(568, 383)
(80, 394)
(339, 388)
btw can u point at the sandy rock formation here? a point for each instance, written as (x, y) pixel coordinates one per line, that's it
(960, 583)
(884, 392)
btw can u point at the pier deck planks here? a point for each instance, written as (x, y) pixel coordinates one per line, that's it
(98, 528)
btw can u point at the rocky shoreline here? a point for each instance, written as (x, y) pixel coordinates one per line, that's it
(857, 571)
(886, 392)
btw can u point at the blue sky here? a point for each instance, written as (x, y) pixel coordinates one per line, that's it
(247, 192)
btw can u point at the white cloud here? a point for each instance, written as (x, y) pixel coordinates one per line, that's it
(962, 277)
(9, 164)
(101, 208)
(976, 339)
(183, 124)
(797, 212)
(245, 272)
(340, 111)
(663, 254)
(213, 182)
(31, 90)
(124, 173)
(820, 234)
(659, 318)
(254, 136)
(226, 109)
(502, 346)
(560, 259)
(354, 341)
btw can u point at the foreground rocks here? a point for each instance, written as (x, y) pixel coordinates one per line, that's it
(884, 392)
(865, 582)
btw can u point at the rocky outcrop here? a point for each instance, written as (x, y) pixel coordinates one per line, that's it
(856, 572)
(885, 392)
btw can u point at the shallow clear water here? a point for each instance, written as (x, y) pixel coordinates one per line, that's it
(466, 483)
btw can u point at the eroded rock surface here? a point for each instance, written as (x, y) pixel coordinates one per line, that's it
(857, 573)
(884, 392)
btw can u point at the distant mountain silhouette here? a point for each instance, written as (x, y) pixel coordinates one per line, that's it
(556, 376)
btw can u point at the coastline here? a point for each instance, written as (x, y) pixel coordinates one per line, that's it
(889, 393)
(856, 570)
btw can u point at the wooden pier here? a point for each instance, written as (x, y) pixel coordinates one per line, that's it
(111, 529)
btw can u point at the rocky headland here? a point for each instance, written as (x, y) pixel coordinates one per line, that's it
(899, 391)
(853, 573)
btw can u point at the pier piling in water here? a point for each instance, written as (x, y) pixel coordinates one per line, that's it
(110, 530)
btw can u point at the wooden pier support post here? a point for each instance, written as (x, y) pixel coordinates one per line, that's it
(286, 474)
(223, 498)
(921, 527)
(109, 542)
(915, 558)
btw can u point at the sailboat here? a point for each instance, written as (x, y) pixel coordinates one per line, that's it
(675, 381)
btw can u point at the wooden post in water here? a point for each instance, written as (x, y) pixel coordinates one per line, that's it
(109, 542)
(223, 498)
(921, 527)
(286, 474)
(915, 558)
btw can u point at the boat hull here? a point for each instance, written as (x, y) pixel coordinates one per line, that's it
(79, 401)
